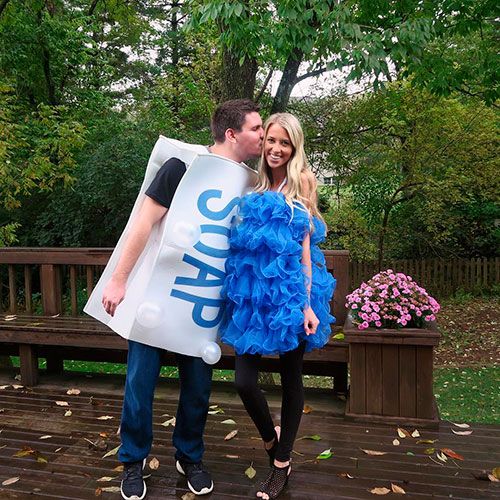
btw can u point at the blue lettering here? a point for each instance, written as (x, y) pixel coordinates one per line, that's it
(199, 304)
(213, 252)
(201, 279)
(210, 214)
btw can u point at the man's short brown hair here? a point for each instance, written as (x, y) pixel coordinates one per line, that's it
(231, 114)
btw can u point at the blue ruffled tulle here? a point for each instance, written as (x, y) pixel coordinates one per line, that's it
(264, 288)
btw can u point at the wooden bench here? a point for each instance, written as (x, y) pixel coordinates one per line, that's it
(60, 334)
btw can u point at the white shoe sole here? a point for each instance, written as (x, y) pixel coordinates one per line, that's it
(204, 491)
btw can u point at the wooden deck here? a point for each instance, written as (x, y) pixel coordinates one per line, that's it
(73, 466)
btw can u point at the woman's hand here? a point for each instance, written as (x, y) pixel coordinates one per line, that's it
(311, 321)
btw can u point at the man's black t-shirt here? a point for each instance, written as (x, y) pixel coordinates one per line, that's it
(165, 183)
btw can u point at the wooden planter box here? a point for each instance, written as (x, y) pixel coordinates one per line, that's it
(391, 375)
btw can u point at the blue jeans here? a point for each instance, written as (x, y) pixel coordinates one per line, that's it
(143, 369)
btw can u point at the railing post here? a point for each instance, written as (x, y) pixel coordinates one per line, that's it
(50, 283)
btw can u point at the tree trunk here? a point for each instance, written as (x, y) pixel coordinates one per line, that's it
(381, 237)
(287, 81)
(237, 81)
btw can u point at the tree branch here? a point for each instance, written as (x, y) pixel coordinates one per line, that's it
(316, 72)
(264, 86)
(3, 5)
(92, 7)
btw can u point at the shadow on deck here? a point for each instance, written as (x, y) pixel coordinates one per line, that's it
(66, 465)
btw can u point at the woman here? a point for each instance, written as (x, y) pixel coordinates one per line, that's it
(277, 288)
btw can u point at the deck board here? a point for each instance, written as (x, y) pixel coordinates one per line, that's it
(73, 467)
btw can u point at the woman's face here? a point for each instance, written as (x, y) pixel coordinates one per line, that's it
(278, 148)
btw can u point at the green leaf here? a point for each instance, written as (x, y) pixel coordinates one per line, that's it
(339, 336)
(325, 454)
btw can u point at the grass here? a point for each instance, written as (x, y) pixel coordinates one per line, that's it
(468, 394)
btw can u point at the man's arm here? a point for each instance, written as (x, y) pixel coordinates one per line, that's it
(149, 214)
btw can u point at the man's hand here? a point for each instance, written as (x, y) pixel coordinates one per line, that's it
(113, 294)
(311, 321)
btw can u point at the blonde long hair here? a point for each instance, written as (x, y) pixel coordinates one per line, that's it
(297, 165)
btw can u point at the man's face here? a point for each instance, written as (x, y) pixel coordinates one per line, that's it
(249, 138)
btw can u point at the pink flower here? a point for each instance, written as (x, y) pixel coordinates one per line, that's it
(378, 324)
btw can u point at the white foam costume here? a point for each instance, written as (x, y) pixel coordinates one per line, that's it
(172, 298)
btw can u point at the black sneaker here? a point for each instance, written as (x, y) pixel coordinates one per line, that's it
(199, 480)
(133, 486)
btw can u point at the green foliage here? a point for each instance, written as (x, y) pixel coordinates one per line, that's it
(419, 169)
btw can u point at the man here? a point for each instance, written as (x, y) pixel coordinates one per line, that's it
(238, 134)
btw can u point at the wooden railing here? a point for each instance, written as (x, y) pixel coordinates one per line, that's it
(54, 281)
(439, 277)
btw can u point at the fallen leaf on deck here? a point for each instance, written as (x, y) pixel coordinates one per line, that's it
(485, 475)
(496, 472)
(17, 386)
(325, 454)
(229, 421)
(154, 463)
(232, 456)
(47, 436)
(73, 391)
(18, 377)
(2, 387)
(216, 412)
(118, 468)
(68, 413)
(403, 433)
(345, 475)
(380, 491)
(188, 496)
(314, 437)
(397, 489)
(429, 451)
(24, 452)
(461, 433)
(105, 479)
(231, 435)
(41, 460)
(62, 403)
(103, 434)
(410, 453)
(307, 409)
(169, 422)
(396, 442)
(442, 457)
(415, 434)
(10, 317)
(58, 450)
(98, 492)
(462, 426)
(105, 417)
(250, 472)
(111, 489)
(426, 441)
(11, 480)
(111, 452)
(452, 454)
(338, 336)
(3, 446)
(374, 452)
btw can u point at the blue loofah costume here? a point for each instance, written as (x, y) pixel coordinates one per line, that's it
(265, 285)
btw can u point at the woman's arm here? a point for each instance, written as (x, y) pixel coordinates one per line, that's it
(310, 320)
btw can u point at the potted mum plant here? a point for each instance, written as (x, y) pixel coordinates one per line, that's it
(391, 333)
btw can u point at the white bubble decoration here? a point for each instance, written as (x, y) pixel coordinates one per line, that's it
(211, 353)
(185, 235)
(149, 315)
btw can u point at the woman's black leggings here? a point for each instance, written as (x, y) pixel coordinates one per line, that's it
(292, 404)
